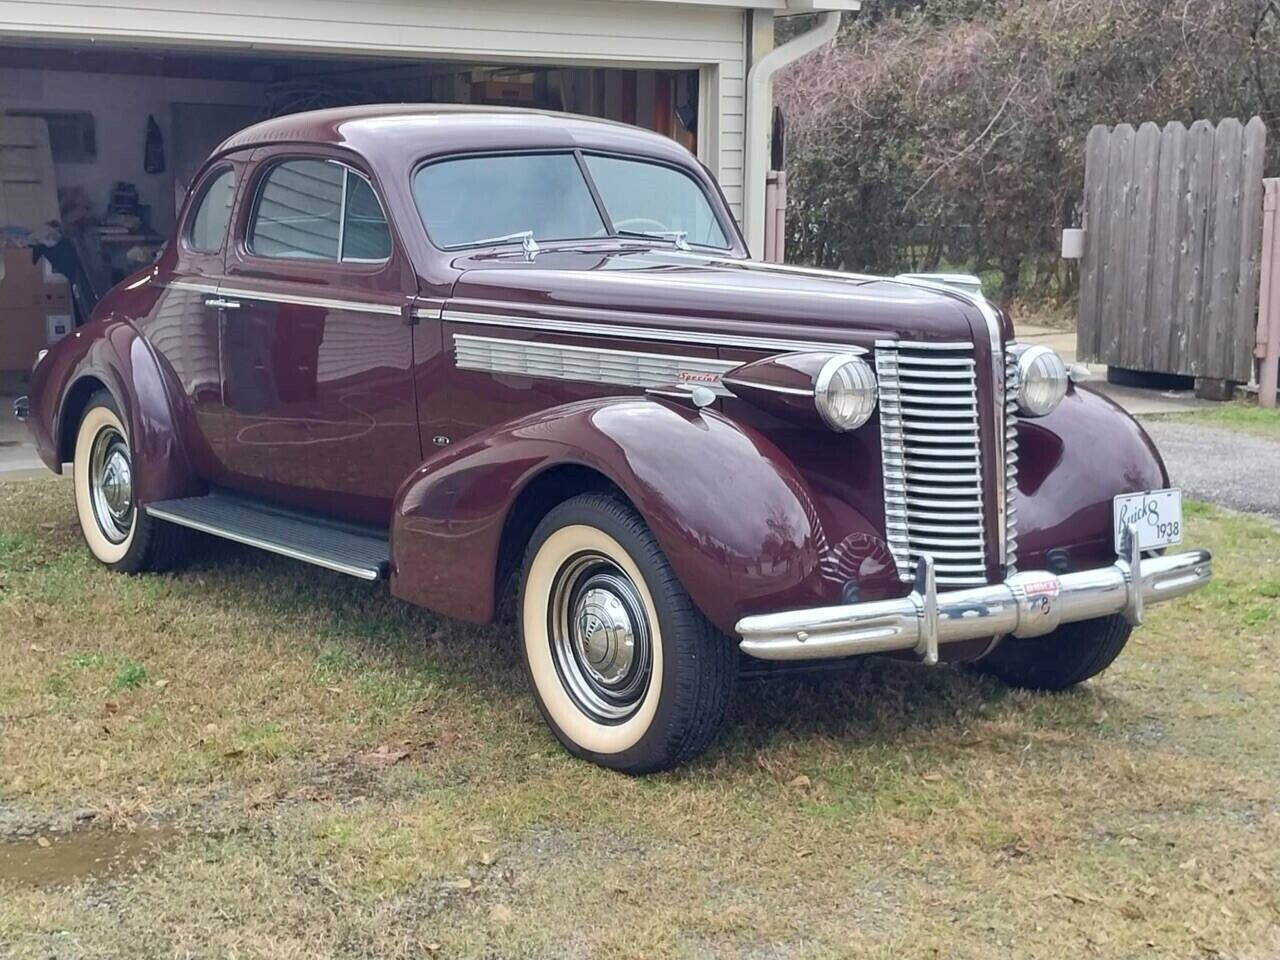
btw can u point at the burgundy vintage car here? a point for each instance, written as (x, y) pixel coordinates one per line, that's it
(471, 350)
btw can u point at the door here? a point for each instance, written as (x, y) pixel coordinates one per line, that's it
(184, 324)
(317, 350)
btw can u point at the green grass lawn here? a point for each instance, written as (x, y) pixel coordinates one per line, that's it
(328, 772)
(1248, 418)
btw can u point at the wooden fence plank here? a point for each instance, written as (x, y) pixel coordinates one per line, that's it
(1239, 358)
(1089, 328)
(1224, 251)
(1115, 255)
(1186, 330)
(1170, 229)
(1135, 322)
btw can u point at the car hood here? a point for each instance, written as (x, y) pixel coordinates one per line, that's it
(691, 292)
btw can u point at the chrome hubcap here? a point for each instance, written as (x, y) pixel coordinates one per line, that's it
(111, 484)
(600, 638)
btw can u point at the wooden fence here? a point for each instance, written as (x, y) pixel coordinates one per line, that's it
(1173, 235)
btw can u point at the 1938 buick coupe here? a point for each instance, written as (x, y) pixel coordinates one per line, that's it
(470, 349)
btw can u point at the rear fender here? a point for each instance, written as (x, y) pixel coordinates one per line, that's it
(733, 516)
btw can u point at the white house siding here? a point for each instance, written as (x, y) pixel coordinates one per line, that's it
(570, 32)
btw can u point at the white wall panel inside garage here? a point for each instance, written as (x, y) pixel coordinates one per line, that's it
(570, 32)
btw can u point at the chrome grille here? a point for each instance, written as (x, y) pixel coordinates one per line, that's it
(929, 436)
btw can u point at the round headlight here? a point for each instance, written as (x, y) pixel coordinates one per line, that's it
(1042, 380)
(845, 392)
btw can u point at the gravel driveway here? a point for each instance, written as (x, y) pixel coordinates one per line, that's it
(1227, 467)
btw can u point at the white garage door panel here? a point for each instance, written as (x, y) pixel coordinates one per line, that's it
(553, 29)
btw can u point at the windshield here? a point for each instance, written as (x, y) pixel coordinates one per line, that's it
(479, 201)
(649, 198)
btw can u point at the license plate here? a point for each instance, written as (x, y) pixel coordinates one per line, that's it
(1157, 514)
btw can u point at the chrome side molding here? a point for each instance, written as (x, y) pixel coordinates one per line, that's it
(560, 361)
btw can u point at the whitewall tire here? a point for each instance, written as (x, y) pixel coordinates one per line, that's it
(116, 531)
(625, 670)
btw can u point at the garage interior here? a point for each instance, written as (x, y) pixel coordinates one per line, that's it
(98, 146)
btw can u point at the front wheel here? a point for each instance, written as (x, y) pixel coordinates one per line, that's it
(1069, 655)
(626, 671)
(117, 533)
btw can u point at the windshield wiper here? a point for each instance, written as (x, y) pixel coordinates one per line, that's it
(677, 237)
(527, 243)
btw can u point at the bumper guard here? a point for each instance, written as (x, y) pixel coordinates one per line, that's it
(1028, 604)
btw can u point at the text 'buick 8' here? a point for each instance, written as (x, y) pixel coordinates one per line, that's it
(473, 351)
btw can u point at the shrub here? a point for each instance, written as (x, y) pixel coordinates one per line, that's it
(950, 133)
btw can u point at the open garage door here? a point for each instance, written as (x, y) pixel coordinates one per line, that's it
(130, 126)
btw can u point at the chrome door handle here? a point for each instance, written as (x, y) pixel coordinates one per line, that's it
(222, 303)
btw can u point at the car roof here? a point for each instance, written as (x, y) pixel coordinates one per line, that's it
(431, 129)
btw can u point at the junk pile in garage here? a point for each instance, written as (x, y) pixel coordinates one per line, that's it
(58, 256)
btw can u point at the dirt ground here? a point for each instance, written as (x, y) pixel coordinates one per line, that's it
(252, 758)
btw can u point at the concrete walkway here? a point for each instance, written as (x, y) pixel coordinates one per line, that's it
(18, 460)
(1138, 402)
(1227, 467)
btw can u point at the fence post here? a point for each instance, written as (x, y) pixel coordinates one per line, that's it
(1268, 342)
(775, 224)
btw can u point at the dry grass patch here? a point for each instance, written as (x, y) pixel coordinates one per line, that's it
(348, 776)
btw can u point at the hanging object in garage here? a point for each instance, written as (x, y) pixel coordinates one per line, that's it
(153, 152)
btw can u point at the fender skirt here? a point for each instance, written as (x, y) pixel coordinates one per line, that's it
(731, 513)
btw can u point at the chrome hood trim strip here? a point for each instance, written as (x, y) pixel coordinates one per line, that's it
(629, 332)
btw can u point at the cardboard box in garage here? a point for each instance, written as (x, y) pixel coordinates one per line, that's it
(22, 335)
(35, 308)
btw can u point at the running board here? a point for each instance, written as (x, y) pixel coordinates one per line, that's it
(358, 551)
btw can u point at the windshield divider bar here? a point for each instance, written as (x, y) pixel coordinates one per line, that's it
(595, 193)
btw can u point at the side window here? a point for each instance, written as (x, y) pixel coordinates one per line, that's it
(208, 227)
(299, 211)
(318, 210)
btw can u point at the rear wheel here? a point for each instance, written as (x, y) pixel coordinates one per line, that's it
(1069, 655)
(625, 670)
(115, 530)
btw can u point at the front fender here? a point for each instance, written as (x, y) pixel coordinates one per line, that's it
(1070, 465)
(113, 354)
(731, 513)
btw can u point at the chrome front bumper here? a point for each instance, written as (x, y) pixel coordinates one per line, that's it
(1028, 604)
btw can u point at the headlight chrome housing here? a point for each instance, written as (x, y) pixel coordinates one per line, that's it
(844, 391)
(1042, 379)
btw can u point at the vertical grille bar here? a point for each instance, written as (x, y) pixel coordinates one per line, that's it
(1011, 463)
(932, 460)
